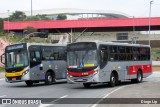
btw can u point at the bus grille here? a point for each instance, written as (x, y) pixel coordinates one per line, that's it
(16, 78)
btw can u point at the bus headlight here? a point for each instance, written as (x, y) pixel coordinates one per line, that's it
(25, 72)
(95, 72)
(69, 75)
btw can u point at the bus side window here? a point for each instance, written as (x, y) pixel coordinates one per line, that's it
(35, 56)
(113, 56)
(32, 55)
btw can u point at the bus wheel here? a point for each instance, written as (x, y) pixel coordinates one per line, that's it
(139, 77)
(86, 85)
(48, 78)
(112, 82)
(29, 83)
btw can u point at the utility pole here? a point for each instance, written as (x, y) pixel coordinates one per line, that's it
(8, 21)
(31, 8)
(149, 41)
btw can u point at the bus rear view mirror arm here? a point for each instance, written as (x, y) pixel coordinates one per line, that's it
(3, 58)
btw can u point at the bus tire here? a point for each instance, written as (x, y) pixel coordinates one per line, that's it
(86, 85)
(48, 78)
(113, 79)
(139, 78)
(29, 83)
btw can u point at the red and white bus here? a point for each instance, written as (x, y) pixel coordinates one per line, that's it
(107, 62)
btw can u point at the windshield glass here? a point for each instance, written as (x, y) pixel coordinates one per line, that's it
(82, 58)
(17, 58)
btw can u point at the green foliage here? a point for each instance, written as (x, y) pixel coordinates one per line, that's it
(17, 16)
(20, 16)
(42, 17)
(1, 24)
(61, 17)
(2, 34)
(14, 39)
(155, 54)
(29, 29)
(2, 69)
(37, 17)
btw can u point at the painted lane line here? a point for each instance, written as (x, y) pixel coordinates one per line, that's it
(94, 105)
(113, 91)
(3, 96)
(46, 105)
(64, 96)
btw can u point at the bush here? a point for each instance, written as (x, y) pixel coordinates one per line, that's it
(2, 34)
(2, 69)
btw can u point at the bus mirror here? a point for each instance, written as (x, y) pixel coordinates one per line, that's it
(3, 58)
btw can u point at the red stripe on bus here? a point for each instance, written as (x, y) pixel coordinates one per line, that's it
(145, 69)
(79, 74)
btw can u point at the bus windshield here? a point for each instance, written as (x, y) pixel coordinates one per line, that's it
(16, 58)
(82, 58)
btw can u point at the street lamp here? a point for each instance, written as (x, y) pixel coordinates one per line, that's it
(31, 8)
(8, 21)
(150, 22)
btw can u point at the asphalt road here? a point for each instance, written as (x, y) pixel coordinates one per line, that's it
(63, 90)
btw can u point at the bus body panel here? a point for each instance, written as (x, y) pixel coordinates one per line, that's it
(37, 71)
(126, 69)
(57, 67)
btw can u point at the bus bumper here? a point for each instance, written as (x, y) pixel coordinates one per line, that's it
(85, 79)
(21, 78)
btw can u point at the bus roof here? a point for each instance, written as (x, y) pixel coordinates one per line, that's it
(116, 43)
(41, 44)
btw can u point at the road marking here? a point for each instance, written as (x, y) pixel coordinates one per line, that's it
(113, 91)
(2, 105)
(46, 105)
(107, 96)
(2, 96)
(64, 96)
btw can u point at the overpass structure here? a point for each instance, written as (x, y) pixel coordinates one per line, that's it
(88, 25)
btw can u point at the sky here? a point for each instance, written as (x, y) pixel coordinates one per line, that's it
(136, 8)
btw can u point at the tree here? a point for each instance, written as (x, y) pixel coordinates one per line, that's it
(29, 29)
(37, 17)
(17, 16)
(42, 17)
(1, 24)
(61, 17)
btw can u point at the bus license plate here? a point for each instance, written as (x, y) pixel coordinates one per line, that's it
(13, 79)
(79, 79)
